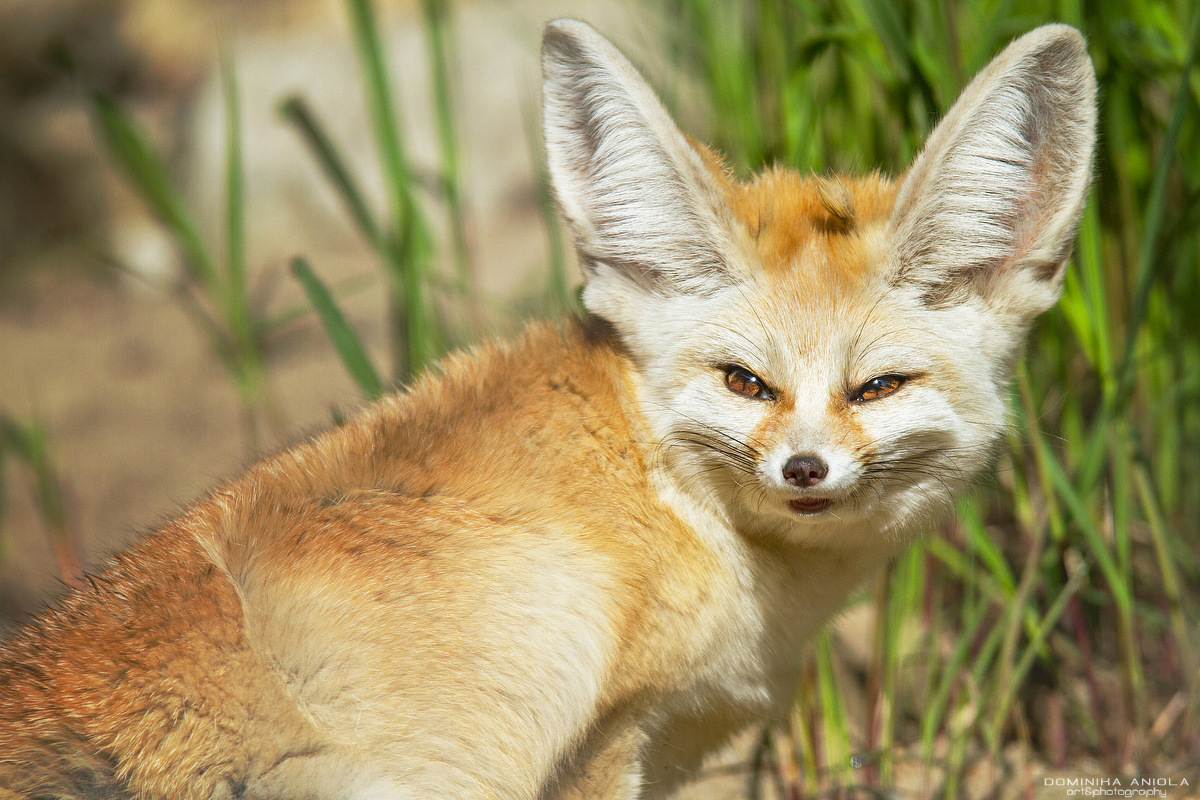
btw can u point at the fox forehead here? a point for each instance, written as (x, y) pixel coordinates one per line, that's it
(809, 231)
(817, 253)
(789, 215)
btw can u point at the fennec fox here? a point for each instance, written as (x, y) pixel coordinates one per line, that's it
(570, 565)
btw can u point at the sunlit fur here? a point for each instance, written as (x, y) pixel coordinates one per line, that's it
(571, 565)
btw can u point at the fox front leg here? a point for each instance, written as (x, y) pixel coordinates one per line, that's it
(606, 767)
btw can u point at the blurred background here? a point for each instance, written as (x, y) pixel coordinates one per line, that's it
(227, 223)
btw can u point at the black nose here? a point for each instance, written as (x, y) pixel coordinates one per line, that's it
(805, 470)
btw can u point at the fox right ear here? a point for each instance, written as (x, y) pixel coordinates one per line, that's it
(990, 206)
(647, 214)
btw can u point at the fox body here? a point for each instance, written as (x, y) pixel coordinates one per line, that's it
(571, 565)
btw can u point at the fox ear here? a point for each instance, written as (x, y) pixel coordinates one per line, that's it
(991, 204)
(645, 210)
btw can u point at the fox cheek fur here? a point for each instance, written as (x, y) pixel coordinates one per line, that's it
(572, 565)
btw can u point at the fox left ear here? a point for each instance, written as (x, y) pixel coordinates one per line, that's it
(649, 217)
(991, 204)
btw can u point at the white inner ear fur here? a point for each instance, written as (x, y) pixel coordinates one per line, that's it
(991, 204)
(646, 213)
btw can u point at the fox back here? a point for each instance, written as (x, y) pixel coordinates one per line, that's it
(573, 564)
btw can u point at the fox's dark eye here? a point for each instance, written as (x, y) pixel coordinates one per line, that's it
(747, 384)
(877, 388)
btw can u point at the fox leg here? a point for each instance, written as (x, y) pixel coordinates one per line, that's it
(607, 766)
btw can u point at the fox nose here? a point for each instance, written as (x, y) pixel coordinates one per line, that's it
(805, 470)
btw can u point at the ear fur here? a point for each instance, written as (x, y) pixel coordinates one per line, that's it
(642, 204)
(992, 202)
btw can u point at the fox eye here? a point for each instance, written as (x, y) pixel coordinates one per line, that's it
(877, 388)
(747, 384)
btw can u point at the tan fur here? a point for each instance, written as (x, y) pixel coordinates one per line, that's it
(572, 565)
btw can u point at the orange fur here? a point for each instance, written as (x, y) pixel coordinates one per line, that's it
(790, 215)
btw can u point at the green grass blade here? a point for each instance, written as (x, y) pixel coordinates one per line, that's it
(903, 47)
(436, 16)
(1090, 263)
(934, 713)
(889, 28)
(296, 111)
(346, 287)
(4, 538)
(30, 443)
(1047, 623)
(235, 194)
(1170, 576)
(349, 347)
(997, 580)
(131, 149)
(983, 660)
(1148, 266)
(1030, 575)
(989, 553)
(1061, 483)
(966, 571)
(237, 301)
(385, 124)
(406, 259)
(890, 619)
(806, 744)
(833, 712)
(960, 724)
(1096, 545)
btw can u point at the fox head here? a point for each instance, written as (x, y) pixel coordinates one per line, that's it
(823, 359)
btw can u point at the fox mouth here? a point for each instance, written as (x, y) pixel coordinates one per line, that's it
(808, 507)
